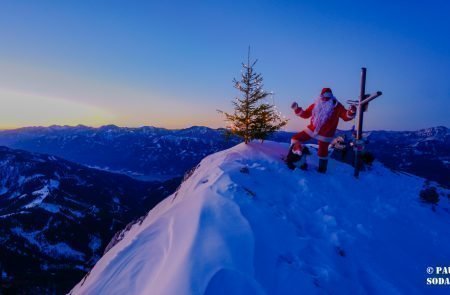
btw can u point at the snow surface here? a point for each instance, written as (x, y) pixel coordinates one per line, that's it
(42, 194)
(243, 223)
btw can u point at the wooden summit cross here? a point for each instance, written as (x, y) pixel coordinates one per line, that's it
(362, 105)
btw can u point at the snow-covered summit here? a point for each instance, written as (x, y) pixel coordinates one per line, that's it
(243, 223)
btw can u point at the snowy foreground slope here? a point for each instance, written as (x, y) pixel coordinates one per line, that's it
(243, 223)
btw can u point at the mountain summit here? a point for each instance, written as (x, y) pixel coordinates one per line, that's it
(243, 223)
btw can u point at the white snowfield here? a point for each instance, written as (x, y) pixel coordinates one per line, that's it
(245, 224)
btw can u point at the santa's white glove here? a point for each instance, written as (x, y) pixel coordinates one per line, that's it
(294, 105)
(352, 109)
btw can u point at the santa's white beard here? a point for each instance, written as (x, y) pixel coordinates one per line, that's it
(321, 113)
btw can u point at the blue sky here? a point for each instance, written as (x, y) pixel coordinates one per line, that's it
(171, 63)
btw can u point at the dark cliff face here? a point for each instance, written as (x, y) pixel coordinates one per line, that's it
(57, 217)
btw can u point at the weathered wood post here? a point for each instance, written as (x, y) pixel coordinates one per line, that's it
(363, 103)
(358, 143)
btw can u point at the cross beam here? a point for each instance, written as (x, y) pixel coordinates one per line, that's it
(371, 97)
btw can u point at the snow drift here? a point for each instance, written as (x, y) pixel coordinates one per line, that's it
(243, 223)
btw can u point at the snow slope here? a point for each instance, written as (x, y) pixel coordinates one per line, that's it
(243, 223)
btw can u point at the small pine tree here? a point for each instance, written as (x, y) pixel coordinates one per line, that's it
(267, 121)
(253, 118)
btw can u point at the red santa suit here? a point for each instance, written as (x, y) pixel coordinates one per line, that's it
(328, 122)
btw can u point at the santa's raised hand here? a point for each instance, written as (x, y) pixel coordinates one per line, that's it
(295, 106)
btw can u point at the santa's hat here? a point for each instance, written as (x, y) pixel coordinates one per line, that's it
(326, 92)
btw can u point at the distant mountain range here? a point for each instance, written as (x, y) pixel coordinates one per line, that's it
(147, 153)
(57, 218)
(158, 153)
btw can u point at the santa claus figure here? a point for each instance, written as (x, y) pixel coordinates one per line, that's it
(324, 113)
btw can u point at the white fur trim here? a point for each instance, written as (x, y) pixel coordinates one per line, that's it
(317, 136)
(297, 152)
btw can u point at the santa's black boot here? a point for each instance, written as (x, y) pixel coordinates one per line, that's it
(305, 153)
(291, 158)
(323, 163)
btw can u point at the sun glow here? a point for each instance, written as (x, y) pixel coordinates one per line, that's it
(26, 109)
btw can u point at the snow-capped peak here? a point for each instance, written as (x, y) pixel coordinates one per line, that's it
(243, 223)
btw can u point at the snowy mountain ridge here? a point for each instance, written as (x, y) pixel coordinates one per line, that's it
(243, 223)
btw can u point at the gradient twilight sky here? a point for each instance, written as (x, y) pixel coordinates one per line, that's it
(171, 63)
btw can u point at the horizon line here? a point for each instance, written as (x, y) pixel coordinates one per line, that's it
(192, 126)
